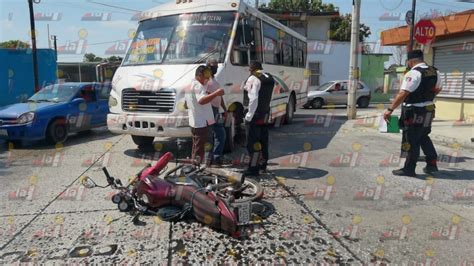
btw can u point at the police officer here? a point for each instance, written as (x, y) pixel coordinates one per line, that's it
(259, 87)
(419, 88)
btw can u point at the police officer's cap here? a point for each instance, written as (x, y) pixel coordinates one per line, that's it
(254, 65)
(415, 54)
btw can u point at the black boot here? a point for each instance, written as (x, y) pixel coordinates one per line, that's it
(430, 169)
(403, 172)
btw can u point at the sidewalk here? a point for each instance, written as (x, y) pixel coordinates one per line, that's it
(446, 133)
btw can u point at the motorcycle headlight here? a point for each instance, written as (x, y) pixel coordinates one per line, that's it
(112, 101)
(26, 118)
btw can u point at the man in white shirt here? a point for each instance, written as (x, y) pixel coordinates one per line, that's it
(259, 87)
(419, 88)
(219, 111)
(200, 111)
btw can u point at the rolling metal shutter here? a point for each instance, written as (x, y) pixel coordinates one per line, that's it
(456, 64)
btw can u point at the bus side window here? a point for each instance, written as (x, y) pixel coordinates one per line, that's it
(254, 28)
(272, 44)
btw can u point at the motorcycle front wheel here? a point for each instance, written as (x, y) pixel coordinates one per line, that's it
(250, 190)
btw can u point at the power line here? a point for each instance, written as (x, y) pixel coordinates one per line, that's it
(113, 6)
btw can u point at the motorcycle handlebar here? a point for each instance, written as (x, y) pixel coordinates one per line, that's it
(110, 179)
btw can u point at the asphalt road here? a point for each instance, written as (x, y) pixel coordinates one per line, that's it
(330, 187)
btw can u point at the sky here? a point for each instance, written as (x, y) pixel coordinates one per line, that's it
(106, 25)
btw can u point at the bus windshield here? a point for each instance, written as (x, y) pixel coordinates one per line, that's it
(181, 39)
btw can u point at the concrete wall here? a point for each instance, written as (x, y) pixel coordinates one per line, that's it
(318, 28)
(454, 109)
(334, 59)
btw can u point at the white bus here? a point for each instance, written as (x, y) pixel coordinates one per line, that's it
(172, 40)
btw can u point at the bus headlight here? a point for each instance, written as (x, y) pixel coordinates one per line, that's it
(26, 118)
(112, 101)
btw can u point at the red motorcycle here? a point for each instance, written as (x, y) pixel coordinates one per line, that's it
(220, 199)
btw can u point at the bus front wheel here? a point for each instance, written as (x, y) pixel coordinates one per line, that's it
(290, 110)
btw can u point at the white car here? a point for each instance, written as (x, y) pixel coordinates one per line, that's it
(335, 92)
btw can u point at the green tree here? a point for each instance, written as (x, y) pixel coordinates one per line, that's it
(340, 29)
(300, 5)
(90, 57)
(14, 44)
(115, 59)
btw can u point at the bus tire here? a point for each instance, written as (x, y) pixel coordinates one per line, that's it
(142, 141)
(290, 110)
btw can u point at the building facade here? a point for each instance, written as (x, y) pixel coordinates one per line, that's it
(452, 52)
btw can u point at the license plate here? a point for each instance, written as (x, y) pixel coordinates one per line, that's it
(3, 132)
(243, 212)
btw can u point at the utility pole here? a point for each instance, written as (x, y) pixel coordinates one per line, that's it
(256, 4)
(33, 44)
(412, 24)
(54, 38)
(354, 62)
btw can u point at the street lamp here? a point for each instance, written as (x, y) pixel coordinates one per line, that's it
(33, 42)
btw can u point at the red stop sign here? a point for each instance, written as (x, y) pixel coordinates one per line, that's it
(424, 31)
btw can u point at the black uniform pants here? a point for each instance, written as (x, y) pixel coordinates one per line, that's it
(257, 146)
(416, 125)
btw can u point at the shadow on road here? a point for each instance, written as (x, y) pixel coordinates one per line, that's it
(181, 149)
(73, 139)
(450, 174)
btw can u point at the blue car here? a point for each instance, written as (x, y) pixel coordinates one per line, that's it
(55, 111)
